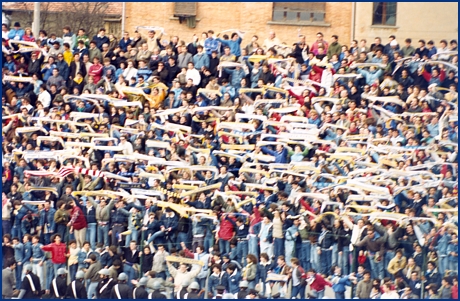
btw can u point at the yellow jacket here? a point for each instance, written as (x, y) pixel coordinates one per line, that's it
(396, 264)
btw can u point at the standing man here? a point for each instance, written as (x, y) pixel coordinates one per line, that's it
(102, 218)
(8, 280)
(19, 258)
(92, 275)
(38, 258)
(58, 252)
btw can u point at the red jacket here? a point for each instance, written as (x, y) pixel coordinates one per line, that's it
(57, 252)
(78, 219)
(319, 284)
(454, 292)
(226, 229)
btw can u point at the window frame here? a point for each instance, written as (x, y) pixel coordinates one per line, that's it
(292, 12)
(382, 19)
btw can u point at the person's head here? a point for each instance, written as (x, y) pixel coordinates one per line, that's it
(367, 275)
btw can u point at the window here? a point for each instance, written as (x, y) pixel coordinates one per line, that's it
(299, 11)
(384, 13)
(185, 9)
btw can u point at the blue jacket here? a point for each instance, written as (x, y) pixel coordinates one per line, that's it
(101, 40)
(452, 248)
(63, 69)
(37, 252)
(210, 45)
(280, 157)
(214, 281)
(170, 222)
(13, 33)
(19, 252)
(119, 216)
(228, 89)
(27, 252)
(124, 44)
(234, 45)
(233, 282)
(82, 255)
(200, 60)
(442, 244)
(370, 77)
(10, 65)
(237, 76)
(199, 227)
(341, 285)
(21, 213)
(50, 219)
(47, 72)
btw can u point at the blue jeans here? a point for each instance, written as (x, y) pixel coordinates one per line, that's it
(340, 295)
(208, 241)
(453, 266)
(253, 246)
(376, 268)
(326, 261)
(62, 230)
(344, 260)
(224, 246)
(242, 251)
(131, 272)
(92, 290)
(47, 238)
(314, 257)
(6, 227)
(279, 247)
(39, 271)
(389, 255)
(201, 282)
(443, 264)
(162, 275)
(73, 271)
(18, 274)
(133, 236)
(91, 231)
(335, 255)
(171, 242)
(155, 236)
(304, 255)
(50, 273)
(103, 234)
(320, 294)
(299, 289)
(183, 237)
(57, 267)
(16, 231)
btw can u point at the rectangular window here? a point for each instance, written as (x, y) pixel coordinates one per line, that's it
(384, 13)
(185, 9)
(292, 12)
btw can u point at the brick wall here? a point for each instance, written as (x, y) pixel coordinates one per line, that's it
(253, 18)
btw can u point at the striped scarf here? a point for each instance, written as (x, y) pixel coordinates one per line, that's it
(67, 170)
(89, 172)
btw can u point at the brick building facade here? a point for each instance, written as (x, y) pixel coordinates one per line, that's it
(251, 17)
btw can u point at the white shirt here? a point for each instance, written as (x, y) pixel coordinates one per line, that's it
(45, 98)
(194, 75)
(390, 295)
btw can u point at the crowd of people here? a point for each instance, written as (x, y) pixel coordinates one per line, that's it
(198, 167)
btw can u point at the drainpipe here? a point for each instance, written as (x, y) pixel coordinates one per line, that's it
(353, 20)
(123, 16)
(36, 23)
